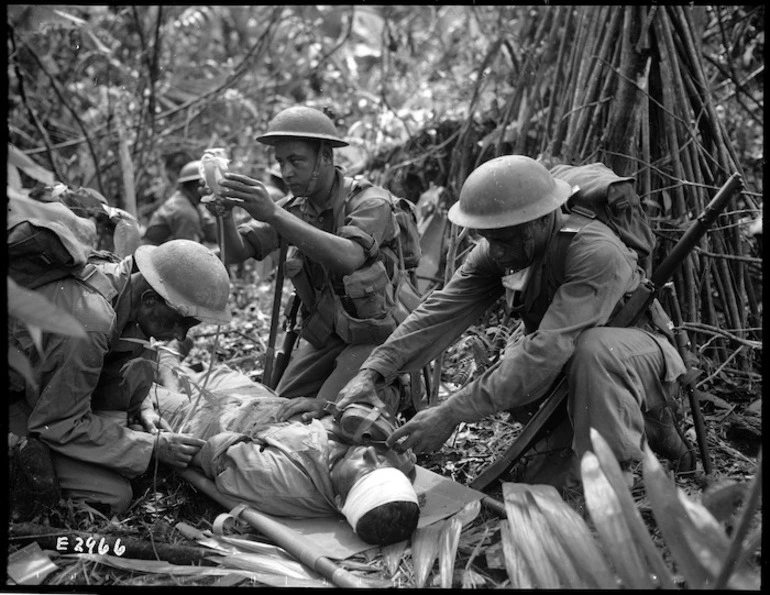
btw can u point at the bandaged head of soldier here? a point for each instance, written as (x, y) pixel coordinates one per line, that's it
(375, 494)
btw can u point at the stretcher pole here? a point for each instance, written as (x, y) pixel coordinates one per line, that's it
(281, 535)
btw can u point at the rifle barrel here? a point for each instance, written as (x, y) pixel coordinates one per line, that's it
(665, 270)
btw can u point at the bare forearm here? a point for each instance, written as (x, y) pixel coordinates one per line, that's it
(340, 255)
(235, 249)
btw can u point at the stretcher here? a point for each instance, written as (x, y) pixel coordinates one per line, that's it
(317, 542)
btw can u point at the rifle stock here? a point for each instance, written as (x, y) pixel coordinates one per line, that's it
(628, 315)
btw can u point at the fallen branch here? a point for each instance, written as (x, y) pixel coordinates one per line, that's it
(64, 541)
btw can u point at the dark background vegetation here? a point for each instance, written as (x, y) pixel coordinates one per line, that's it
(117, 98)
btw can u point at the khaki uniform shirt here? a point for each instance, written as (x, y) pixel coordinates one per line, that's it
(368, 220)
(558, 301)
(77, 377)
(282, 469)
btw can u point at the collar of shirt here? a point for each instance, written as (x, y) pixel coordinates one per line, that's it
(122, 306)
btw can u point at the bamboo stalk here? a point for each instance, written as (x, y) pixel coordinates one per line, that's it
(557, 92)
(668, 56)
(598, 60)
(580, 66)
(601, 108)
(566, 102)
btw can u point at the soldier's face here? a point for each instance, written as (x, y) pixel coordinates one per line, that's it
(357, 462)
(511, 247)
(161, 322)
(518, 246)
(297, 160)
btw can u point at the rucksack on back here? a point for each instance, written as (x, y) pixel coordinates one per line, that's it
(408, 240)
(613, 200)
(46, 241)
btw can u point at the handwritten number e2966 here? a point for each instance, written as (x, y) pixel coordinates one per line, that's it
(89, 546)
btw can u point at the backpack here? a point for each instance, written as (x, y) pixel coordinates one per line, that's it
(407, 242)
(611, 199)
(47, 242)
(408, 239)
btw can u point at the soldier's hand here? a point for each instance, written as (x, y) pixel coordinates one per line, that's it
(425, 432)
(307, 407)
(249, 194)
(152, 422)
(216, 205)
(361, 389)
(176, 450)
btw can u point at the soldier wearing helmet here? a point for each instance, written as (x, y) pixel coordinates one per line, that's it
(181, 216)
(340, 259)
(564, 282)
(89, 404)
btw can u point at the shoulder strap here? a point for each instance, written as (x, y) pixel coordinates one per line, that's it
(576, 220)
(97, 280)
(350, 188)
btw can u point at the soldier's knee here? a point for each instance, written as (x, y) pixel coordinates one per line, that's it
(593, 350)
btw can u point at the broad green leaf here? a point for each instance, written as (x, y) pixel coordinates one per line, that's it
(18, 361)
(268, 565)
(425, 542)
(528, 531)
(29, 167)
(611, 469)
(519, 572)
(469, 512)
(575, 537)
(161, 567)
(695, 538)
(609, 519)
(448, 540)
(393, 554)
(34, 309)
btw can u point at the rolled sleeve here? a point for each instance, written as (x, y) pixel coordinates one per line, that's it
(370, 221)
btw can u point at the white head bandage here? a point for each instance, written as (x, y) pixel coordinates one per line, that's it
(374, 489)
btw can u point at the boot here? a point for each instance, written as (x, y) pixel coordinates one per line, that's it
(33, 478)
(666, 439)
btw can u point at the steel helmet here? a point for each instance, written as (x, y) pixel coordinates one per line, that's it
(189, 172)
(189, 276)
(300, 122)
(507, 191)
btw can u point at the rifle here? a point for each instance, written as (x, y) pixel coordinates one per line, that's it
(283, 355)
(555, 401)
(688, 380)
(267, 374)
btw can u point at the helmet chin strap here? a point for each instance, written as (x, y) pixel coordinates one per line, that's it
(316, 169)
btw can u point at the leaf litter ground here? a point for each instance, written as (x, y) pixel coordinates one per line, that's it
(163, 499)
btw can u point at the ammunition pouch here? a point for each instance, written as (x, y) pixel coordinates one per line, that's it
(362, 331)
(369, 290)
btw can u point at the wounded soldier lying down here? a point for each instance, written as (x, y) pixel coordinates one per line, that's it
(297, 469)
